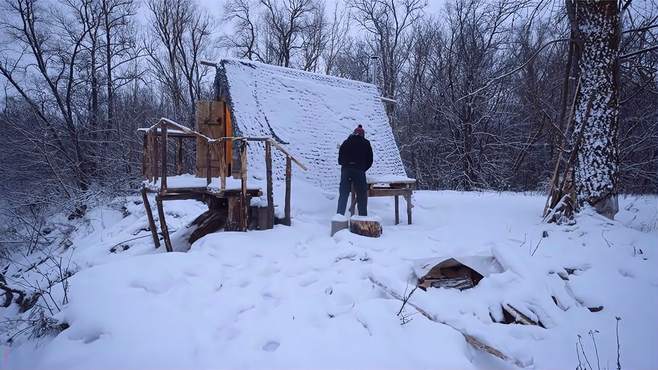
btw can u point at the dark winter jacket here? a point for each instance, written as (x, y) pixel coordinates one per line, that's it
(355, 152)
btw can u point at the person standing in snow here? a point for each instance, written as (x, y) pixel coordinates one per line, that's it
(355, 158)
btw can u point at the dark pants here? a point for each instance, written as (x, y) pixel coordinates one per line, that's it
(350, 176)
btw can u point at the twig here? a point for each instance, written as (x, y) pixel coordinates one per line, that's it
(596, 349)
(537, 247)
(638, 52)
(583, 350)
(580, 362)
(406, 299)
(518, 68)
(131, 239)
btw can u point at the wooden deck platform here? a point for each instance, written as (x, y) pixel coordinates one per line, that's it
(227, 194)
(232, 202)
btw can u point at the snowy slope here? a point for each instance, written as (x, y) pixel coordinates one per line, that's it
(293, 297)
(311, 114)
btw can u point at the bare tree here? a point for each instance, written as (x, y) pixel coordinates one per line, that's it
(314, 39)
(182, 38)
(285, 22)
(597, 32)
(50, 58)
(337, 38)
(244, 37)
(388, 21)
(119, 49)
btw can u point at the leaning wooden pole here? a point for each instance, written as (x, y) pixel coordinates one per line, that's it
(163, 224)
(270, 195)
(287, 221)
(149, 216)
(554, 191)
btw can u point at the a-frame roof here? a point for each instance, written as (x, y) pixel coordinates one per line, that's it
(311, 114)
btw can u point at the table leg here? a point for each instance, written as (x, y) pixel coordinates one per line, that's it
(408, 199)
(397, 209)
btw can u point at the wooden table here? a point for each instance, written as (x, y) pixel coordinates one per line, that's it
(396, 188)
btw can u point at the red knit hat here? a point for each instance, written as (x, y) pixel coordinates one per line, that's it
(359, 131)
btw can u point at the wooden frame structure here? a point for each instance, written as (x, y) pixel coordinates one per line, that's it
(234, 201)
(396, 189)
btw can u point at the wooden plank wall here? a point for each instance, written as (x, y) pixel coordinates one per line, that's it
(210, 121)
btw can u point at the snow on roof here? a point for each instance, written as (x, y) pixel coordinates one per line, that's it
(311, 114)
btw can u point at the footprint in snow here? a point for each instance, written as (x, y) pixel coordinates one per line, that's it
(307, 281)
(271, 346)
(626, 273)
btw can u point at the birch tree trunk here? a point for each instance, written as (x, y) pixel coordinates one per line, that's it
(597, 32)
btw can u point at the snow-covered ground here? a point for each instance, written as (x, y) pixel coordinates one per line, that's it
(294, 297)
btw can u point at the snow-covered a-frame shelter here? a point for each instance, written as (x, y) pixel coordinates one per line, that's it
(263, 119)
(311, 114)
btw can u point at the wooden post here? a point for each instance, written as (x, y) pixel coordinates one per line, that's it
(243, 180)
(149, 216)
(407, 197)
(397, 209)
(222, 164)
(155, 156)
(145, 157)
(163, 224)
(179, 156)
(270, 195)
(163, 181)
(208, 166)
(234, 213)
(287, 221)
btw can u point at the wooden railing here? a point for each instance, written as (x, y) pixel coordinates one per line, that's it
(219, 146)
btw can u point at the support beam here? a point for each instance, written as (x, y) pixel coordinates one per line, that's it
(149, 216)
(270, 195)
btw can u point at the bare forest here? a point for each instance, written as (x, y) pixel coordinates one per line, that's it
(481, 94)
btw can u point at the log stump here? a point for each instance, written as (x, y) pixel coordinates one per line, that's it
(366, 226)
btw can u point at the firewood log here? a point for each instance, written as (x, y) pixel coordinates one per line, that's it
(366, 226)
